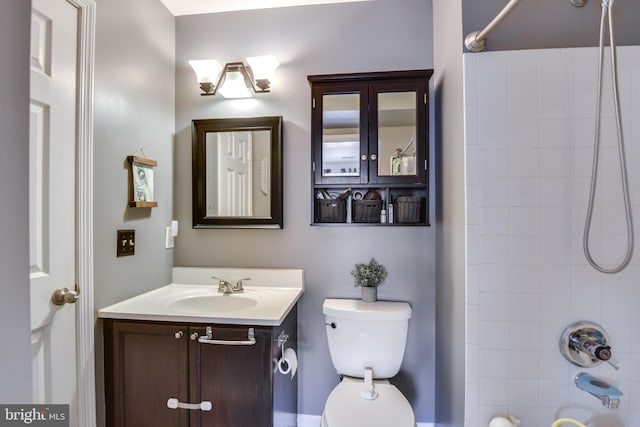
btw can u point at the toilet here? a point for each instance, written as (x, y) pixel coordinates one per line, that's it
(366, 343)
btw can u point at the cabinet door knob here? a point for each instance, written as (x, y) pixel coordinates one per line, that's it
(194, 336)
(363, 157)
(179, 334)
(374, 157)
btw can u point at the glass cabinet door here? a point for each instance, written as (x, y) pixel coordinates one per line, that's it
(341, 140)
(370, 133)
(398, 132)
(341, 135)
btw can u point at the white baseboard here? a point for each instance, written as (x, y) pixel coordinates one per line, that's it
(309, 420)
(315, 421)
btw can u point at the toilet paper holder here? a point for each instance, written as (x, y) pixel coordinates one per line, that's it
(287, 362)
(281, 341)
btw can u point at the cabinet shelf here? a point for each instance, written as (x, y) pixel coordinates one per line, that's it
(363, 224)
(410, 205)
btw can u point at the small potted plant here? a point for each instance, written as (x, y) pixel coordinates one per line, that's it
(369, 277)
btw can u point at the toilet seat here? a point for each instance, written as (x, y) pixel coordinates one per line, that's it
(345, 407)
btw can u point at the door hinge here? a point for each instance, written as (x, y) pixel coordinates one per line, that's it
(425, 99)
(313, 103)
(313, 166)
(425, 165)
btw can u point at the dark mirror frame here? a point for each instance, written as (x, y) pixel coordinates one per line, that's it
(199, 129)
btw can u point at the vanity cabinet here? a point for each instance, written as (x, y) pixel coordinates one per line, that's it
(370, 132)
(147, 363)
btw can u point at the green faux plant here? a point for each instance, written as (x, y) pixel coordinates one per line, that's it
(369, 275)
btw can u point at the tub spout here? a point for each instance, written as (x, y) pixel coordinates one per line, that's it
(608, 394)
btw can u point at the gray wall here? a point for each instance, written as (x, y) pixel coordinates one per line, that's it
(369, 36)
(450, 219)
(15, 357)
(134, 107)
(550, 23)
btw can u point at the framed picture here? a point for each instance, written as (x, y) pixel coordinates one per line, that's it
(141, 182)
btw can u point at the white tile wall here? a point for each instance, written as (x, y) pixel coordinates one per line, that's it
(530, 118)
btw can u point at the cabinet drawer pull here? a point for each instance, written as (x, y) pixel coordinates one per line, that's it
(174, 403)
(208, 339)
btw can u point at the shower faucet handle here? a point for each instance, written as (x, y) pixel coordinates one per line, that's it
(602, 352)
(586, 344)
(613, 362)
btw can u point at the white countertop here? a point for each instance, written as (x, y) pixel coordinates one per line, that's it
(266, 301)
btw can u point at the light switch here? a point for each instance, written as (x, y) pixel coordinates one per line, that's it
(168, 238)
(126, 243)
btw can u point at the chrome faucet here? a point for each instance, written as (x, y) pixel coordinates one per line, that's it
(226, 287)
(239, 287)
(586, 344)
(608, 394)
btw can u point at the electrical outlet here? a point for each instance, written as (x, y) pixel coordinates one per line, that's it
(126, 243)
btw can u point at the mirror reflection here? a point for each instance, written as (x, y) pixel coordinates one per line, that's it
(237, 175)
(341, 135)
(397, 133)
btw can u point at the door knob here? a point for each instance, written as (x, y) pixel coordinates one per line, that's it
(62, 296)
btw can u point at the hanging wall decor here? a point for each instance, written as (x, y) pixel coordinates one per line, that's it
(141, 182)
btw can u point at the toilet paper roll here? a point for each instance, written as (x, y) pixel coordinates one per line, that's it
(288, 363)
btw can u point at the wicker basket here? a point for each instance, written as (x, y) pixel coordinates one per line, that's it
(408, 209)
(331, 210)
(366, 211)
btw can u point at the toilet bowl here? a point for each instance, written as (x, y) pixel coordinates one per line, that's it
(345, 407)
(366, 344)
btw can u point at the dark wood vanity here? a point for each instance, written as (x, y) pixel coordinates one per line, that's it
(149, 362)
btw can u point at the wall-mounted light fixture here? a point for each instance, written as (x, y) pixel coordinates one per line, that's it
(235, 79)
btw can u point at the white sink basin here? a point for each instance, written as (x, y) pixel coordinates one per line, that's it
(205, 304)
(196, 298)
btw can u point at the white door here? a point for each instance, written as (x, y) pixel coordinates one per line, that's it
(52, 216)
(234, 169)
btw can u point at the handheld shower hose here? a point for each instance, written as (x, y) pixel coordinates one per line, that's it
(606, 10)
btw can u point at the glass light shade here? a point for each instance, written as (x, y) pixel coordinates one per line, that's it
(234, 86)
(263, 66)
(207, 70)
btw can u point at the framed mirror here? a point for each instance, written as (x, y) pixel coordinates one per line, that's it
(237, 172)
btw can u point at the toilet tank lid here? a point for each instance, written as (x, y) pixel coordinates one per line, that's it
(360, 310)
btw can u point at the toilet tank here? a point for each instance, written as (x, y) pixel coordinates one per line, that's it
(366, 335)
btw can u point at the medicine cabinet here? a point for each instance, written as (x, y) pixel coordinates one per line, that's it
(369, 134)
